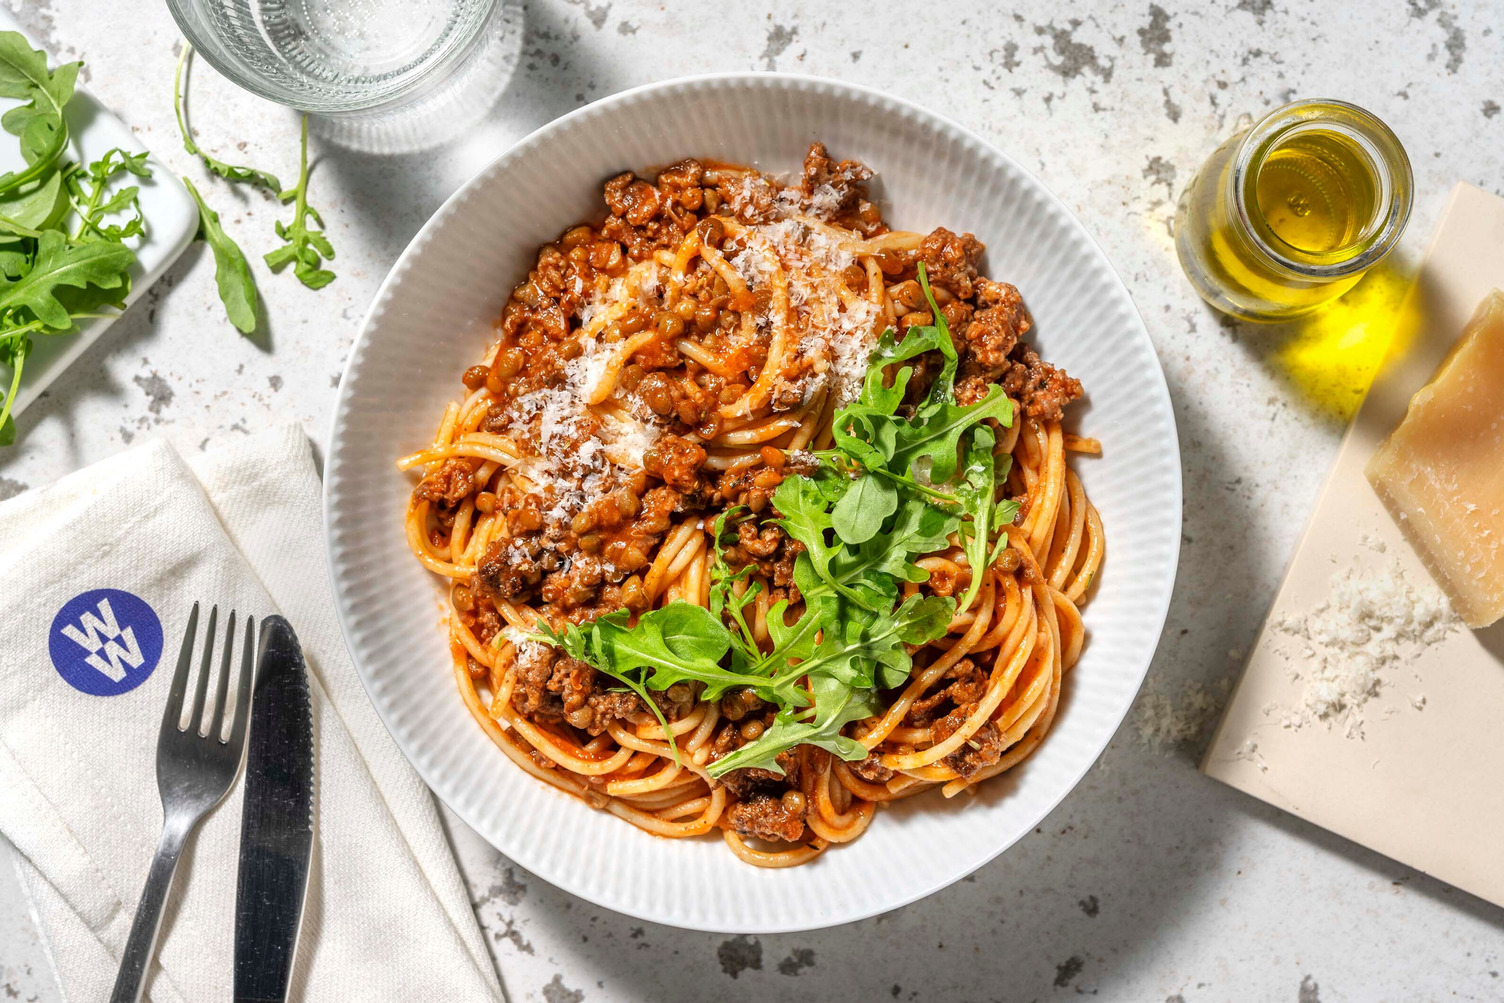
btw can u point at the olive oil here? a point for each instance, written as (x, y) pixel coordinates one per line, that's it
(1287, 216)
(1317, 191)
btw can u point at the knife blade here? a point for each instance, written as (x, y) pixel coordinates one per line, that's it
(276, 829)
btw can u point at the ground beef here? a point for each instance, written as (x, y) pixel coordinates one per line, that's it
(832, 188)
(1043, 390)
(575, 585)
(532, 695)
(680, 186)
(766, 817)
(506, 572)
(950, 261)
(983, 749)
(554, 687)
(675, 461)
(999, 321)
(774, 553)
(750, 781)
(759, 542)
(645, 217)
(450, 483)
(633, 199)
(753, 781)
(964, 684)
(872, 769)
(607, 707)
(751, 199)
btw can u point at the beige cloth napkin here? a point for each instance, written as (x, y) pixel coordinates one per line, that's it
(387, 916)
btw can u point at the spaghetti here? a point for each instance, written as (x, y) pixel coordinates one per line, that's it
(653, 383)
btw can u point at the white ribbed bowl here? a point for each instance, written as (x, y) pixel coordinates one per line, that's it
(431, 320)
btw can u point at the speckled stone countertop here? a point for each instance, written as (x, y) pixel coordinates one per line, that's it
(1150, 882)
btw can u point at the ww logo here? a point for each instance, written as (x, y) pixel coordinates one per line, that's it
(110, 628)
(105, 642)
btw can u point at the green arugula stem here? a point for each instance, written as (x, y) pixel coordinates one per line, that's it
(302, 201)
(16, 228)
(230, 172)
(909, 482)
(15, 385)
(177, 97)
(31, 327)
(41, 167)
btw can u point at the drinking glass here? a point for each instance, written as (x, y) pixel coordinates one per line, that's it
(373, 68)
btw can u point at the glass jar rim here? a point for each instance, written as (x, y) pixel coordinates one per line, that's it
(1376, 140)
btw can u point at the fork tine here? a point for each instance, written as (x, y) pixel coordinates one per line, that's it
(243, 691)
(174, 711)
(222, 688)
(205, 668)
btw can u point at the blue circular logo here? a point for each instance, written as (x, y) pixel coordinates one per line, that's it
(105, 642)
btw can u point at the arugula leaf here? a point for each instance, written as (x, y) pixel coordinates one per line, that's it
(13, 353)
(39, 123)
(723, 601)
(231, 172)
(943, 389)
(306, 246)
(977, 491)
(232, 273)
(918, 529)
(89, 195)
(859, 514)
(853, 647)
(836, 705)
(938, 437)
(57, 264)
(678, 642)
(797, 642)
(34, 206)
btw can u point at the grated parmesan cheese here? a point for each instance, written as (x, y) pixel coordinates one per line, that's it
(1347, 647)
(583, 453)
(837, 336)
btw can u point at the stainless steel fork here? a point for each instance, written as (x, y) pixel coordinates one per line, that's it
(196, 765)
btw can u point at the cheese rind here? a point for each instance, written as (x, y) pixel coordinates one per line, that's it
(1441, 472)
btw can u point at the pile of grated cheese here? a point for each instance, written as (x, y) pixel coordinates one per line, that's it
(836, 335)
(1347, 648)
(582, 456)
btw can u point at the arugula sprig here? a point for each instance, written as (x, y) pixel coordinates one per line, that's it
(63, 226)
(306, 246)
(900, 482)
(232, 273)
(230, 172)
(39, 122)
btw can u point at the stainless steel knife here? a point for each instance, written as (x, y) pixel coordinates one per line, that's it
(276, 829)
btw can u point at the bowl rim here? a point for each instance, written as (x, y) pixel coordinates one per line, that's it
(1157, 388)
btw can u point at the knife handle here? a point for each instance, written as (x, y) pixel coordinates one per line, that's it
(142, 943)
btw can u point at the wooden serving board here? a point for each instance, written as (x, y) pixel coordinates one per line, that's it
(1424, 785)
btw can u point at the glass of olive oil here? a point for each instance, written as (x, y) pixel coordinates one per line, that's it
(1287, 216)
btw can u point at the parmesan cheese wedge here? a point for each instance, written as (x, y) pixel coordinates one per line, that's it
(1441, 472)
